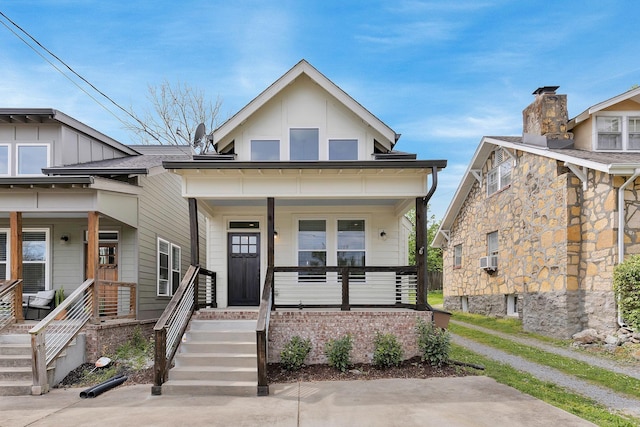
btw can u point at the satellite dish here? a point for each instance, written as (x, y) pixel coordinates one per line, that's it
(200, 130)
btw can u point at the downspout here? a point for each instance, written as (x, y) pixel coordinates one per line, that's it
(621, 225)
(621, 212)
(424, 249)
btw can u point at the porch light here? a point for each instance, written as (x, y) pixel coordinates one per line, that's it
(383, 235)
(64, 239)
(275, 234)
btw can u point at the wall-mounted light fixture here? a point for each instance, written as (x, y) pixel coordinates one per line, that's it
(383, 235)
(64, 239)
(275, 234)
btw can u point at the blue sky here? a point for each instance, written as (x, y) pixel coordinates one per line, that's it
(441, 73)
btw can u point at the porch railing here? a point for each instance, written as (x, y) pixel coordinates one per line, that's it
(262, 333)
(10, 295)
(345, 287)
(54, 333)
(116, 300)
(171, 326)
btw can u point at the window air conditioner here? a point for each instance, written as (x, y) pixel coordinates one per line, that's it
(489, 263)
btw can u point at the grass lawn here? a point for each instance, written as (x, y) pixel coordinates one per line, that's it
(435, 298)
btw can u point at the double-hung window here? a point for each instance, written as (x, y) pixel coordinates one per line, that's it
(35, 258)
(169, 261)
(609, 133)
(617, 131)
(500, 176)
(492, 244)
(457, 256)
(312, 245)
(4, 259)
(4, 160)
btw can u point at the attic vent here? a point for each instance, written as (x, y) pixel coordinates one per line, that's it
(500, 156)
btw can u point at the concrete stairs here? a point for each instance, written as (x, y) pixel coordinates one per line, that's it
(15, 365)
(215, 357)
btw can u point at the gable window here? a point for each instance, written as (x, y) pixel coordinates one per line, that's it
(634, 133)
(609, 133)
(32, 158)
(343, 149)
(265, 149)
(4, 160)
(500, 176)
(304, 144)
(457, 256)
(169, 259)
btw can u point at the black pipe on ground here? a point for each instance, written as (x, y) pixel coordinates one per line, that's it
(103, 386)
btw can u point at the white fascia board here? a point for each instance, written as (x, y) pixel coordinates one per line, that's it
(115, 186)
(605, 104)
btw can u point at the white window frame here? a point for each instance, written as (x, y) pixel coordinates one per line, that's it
(17, 155)
(9, 159)
(7, 270)
(491, 250)
(512, 305)
(624, 117)
(499, 177)
(47, 254)
(176, 266)
(171, 248)
(337, 140)
(261, 140)
(464, 303)
(457, 256)
(318, 146)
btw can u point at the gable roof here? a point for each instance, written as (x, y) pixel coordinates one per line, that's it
(632, 94)
(303, 67)
(49, 115)
(624, 164)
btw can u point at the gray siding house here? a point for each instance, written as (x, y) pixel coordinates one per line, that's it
(56, 174)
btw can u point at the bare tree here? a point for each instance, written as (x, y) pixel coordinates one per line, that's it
(173, 116)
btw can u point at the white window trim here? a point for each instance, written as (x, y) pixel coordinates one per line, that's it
(455, 259)
(497, 170)
(33, 144)
(512, 305)
(250, 147)
(47, 256)
(170, 247)
(624, 119)
(322, 144)
(9, 159)
(8, 250)
(357, 140)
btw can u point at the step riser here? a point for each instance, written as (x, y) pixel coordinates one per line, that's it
(213, 376)
(223, 325)
(205, 360)
(218, 347)
(199, 335)
(15, 339)
(21, 376)
(204, 390)
(14, 350)
(23, 389)
(15, 362)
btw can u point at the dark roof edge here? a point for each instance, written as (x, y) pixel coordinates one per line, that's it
(36, 180)
(94, 171)
(375, 164)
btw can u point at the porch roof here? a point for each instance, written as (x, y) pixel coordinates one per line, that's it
(213, 163)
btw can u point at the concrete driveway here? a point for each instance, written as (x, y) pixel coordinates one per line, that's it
(443, 402)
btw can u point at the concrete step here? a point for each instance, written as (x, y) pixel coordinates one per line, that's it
(214, 373)
(13, 361)
(15, 388)
(15, 349)
(202, 388)
(20, 373)
(202, 334)
(223, 325)
(15, 339)
(211, 346)
(216, 359)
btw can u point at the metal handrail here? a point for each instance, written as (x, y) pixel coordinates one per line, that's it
(49, 338)
(8, 301)
(171, 326)
(262, 333)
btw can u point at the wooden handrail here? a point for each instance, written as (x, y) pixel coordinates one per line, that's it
(62, 307)
(186, 300)
(262, 332)
(7, 288)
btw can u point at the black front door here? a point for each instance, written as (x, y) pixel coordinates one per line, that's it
(244, 268)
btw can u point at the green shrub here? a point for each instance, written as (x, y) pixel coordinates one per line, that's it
(433, 343)
(338, 352)
(294, 353)
(626, 283)
(388, 351)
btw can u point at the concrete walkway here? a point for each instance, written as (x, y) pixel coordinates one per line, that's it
(450, 402)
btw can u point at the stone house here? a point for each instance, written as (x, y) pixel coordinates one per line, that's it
(540, 220)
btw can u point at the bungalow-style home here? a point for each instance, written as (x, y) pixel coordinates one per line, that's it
(540, 220)
(305, 201)
(79, 209)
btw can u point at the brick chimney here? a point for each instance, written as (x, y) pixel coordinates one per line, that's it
(544, 121)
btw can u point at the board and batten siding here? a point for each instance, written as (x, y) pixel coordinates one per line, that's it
(164, 213)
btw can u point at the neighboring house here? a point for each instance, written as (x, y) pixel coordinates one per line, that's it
(61, 180)
(539, 221)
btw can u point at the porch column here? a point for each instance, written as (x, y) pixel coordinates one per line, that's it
(15, 221)
(195, 244)
(93, 234)
(271, 236)
(421, 254)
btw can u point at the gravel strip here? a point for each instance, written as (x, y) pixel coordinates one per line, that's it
(610, 365)
(601, 395)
